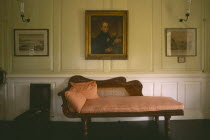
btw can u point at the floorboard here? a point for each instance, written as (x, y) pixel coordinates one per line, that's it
(145, 130)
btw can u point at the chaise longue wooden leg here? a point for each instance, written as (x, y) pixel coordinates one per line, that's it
(85, 125)
(167, 125)
(156, 120)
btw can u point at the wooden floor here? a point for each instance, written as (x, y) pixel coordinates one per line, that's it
(143, 130)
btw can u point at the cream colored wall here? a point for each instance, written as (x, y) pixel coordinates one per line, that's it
(172, 11)
(2, 32)
(146, 39)
(207, 36)
(41, 14)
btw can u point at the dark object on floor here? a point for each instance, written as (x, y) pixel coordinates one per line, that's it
(38, 116)
(133, 88)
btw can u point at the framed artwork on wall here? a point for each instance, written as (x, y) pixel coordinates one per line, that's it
(31, 42)
(181, 42)
(106, 34)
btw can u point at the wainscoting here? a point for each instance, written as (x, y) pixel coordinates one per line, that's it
(191, 89)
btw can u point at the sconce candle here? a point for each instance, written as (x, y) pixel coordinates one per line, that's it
(189, 2)
(22, 8)
(188, 6)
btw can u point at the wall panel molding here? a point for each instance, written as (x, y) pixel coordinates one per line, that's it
(148, 88)
(139, 38)
(169, 89)
(22, 97)
(57, 35)
(73, 37)
(66, 21)
(193, 95)
(208, 95)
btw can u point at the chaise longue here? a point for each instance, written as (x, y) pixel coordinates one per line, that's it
(116, 98)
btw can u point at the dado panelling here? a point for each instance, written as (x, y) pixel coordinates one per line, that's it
(22, 97)
(172, 87)
(148, 88)
(18, 96)
(192, 98)
(208, 94)
(3, 100)
(192, 91)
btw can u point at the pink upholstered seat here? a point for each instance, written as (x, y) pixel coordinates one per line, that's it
(130, 104)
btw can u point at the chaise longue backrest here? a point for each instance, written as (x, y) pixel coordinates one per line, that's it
(131, 88)
(111, 87)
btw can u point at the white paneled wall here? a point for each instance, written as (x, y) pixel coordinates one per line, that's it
(148, 89)
(192, 99)
(192, 90)
(3, 99)
(21, 97)
(208, 96)
(172, 87)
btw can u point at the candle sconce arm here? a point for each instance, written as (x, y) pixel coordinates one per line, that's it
(23, 19)
(186, 19)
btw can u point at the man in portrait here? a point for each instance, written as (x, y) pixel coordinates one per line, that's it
(106, 42)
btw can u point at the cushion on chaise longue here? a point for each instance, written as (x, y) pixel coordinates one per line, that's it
(85, 98)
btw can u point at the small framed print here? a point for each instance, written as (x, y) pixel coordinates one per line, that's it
(181, 59)
(31, 42)
(181, 42)
(106, 34)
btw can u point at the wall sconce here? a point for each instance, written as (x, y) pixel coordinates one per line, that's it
(189, 2)
(22, 9)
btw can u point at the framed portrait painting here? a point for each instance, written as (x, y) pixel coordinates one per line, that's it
(31, 42)
(181, 42)
(106, 34)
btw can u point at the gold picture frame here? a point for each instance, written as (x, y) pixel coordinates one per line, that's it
(181, 42)
(106, 34)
